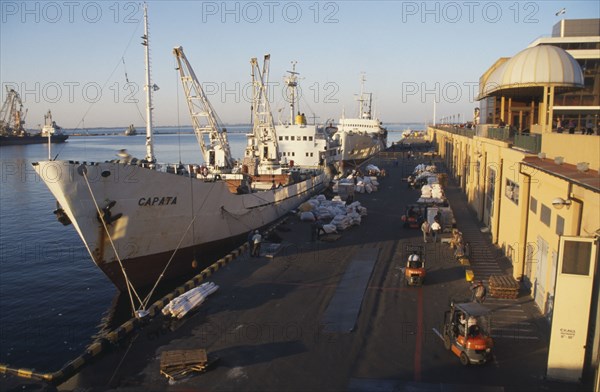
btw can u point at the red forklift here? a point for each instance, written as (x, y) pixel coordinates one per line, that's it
(414, 273)
(466, 332)
(413, 216)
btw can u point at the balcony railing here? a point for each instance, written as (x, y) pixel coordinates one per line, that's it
(526, 141)
(467, 132)
(499, 133)
(529, 142)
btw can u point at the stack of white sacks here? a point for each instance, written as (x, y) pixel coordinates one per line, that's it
(366, 184)
(421, 168)
(342, 216)
(432, 191)
(187, 301)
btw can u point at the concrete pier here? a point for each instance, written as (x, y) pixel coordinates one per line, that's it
(268, 321)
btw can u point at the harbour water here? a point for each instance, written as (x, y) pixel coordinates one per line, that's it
(53, 299)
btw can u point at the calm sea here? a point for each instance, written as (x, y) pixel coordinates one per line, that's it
(53, 299)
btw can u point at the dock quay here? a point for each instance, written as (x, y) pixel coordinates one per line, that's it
(336, 315)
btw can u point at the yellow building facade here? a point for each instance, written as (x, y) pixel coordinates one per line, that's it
(531, 184)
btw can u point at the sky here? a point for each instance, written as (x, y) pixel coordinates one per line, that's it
(83, 59)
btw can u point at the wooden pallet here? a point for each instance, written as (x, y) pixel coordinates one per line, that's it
(503, 286)
(176, 364)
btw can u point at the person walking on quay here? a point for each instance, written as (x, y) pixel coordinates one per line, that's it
(256, 239)
(436, 228)
(425, 228)
(251, 242)
(479, 292)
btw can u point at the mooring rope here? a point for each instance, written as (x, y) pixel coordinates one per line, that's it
(129, 285)
(147, 299)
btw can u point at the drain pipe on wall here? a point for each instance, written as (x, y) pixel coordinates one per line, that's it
(524, 238)
(580, 212)
(501, 191)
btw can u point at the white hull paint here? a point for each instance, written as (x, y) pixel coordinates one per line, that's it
(161, 211)
(360, 146)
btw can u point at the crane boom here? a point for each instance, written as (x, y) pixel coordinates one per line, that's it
(11, 113)
(212, 138)
(263, 126)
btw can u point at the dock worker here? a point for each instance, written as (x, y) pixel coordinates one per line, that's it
(425, 228)
(436, 228)
(479, 292)
(250, 242)
(472, 327)
(256, 239)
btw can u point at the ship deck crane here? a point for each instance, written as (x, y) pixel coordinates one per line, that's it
(12, 118)
(212, 138)
(264, 146)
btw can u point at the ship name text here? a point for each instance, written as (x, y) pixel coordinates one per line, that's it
(157, 201)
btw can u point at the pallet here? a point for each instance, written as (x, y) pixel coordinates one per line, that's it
(176, 364)
(503, 286)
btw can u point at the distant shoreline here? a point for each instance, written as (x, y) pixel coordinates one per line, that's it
(187, 130)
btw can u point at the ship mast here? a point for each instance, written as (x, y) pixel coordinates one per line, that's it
(204, 118)
(292, 83)
(149, 88)
(364, 104)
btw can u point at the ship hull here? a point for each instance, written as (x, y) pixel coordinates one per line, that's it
(35, 139)
(358, 147)
(157, 216)
(186, 262)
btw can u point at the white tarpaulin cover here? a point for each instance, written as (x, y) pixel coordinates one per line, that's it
(187, 301)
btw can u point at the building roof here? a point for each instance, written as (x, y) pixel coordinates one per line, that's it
(589, 179)
(532, 68)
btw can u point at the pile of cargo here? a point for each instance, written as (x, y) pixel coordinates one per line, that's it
(189, 300)
(432, 191)
(339, 214)
(360, 183)
(177, 364)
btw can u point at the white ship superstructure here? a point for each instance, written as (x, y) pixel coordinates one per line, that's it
(302, 144)
(142, 221)
(361, 137)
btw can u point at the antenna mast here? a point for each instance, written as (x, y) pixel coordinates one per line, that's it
(149, 88)
(292, 83)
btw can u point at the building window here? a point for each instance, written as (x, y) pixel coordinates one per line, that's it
(311, 154)
(287, 138)
(310, 138)
(291, 137)
(545, 215)
(306, 154)
(304, 138)
(280, 138)
(293, 154)
(533, 205)
(512, 191)
(560, 225)
(578, 260)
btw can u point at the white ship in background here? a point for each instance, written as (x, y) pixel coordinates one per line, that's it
(142, 221)
(362, 137)
(301, 144)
